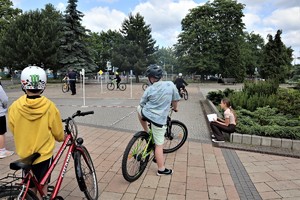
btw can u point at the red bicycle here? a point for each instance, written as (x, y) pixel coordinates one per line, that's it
(17, 187)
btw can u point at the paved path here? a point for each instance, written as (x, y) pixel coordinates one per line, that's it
(202, 171)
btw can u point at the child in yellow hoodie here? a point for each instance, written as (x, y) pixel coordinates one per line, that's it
(35, 122)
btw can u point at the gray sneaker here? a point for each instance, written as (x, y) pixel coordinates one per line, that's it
(217, 141)
(165, 172)
(6, 153)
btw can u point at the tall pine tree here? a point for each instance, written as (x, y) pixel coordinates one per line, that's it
(137, 49)
(74, 52)
(277, 59)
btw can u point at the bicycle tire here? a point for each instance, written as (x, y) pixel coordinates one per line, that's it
(65, 88)
(132, 155)
(144, 86)
(176, 138)
(185, 94)
(122, 86)
(13, 192)
(110, 86)
(85, 173)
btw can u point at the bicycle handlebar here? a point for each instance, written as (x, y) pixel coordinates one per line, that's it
(79, 113)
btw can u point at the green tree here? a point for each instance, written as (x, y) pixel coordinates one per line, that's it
(102, 45)
(251, 53)
(277, 59)
(137, 50)
(211, 38)
(167, 59)
(7, 15)
(33, 38)
(74, 50)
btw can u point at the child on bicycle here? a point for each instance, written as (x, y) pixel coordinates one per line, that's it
(180, 83)
(154, 107)
(35, 122)
(118, 79)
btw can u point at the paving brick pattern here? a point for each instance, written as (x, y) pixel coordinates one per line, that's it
(202, 171)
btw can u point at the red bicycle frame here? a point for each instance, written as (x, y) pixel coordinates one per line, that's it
(67, 142)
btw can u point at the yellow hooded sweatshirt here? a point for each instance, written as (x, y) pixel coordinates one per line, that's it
(35, 124)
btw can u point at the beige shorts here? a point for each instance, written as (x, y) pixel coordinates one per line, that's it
(158, 132)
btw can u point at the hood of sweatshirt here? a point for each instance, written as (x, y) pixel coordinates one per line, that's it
(33, 108)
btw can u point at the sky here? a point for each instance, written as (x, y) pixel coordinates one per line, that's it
(164, 16)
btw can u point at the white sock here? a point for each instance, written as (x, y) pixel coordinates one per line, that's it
(3, 149)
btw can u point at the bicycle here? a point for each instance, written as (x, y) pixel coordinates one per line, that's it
(137, 153)
(111, 85)
(66, 85)
(17, 187)
(184, 93)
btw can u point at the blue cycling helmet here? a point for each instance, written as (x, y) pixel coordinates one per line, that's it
(154, 71)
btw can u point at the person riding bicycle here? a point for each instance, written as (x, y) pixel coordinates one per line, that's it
(154, 107)
(118, 79)
(35, 122)
(180, 83)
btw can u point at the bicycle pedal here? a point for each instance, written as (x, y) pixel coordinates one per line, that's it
(50, 189)
(59, 198)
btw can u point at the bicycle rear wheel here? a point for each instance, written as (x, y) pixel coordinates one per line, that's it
(13, 193)
(185, 94)
(65, 88)
(133, 164)
(175, 136)
(85, 173)
(122, 86)
(110, 86)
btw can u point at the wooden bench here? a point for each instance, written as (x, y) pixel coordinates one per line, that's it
(228, 81)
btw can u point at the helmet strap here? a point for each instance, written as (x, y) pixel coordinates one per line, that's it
(153, 80)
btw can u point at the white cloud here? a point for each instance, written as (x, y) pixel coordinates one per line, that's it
(16, 3)
(164, 18)
(286, 19)
(102, 19)
(61, 7)
(265, 17)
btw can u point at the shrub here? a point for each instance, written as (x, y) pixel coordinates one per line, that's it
(268, 121)
(288, 101)
(261, 88)
(216, 96)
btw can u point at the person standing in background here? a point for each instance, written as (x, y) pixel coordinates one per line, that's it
(72, 81)
(3, 128)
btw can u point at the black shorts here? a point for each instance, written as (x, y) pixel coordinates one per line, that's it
(3, 127)
(40, 169)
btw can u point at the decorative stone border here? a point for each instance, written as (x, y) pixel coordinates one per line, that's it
(265, 141)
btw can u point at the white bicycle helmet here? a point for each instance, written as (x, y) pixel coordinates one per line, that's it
(180, 74)
(33, 77)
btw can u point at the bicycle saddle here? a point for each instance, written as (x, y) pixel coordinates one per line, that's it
(24, 163)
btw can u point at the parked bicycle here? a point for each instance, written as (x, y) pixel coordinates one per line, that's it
(17, 187)
(66, 85)
(184, 93)
(113, 84)
(139, 149)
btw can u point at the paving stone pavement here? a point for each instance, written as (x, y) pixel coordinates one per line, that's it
(201, 170)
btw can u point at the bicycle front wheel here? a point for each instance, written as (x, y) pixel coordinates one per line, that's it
(110, 86)
(175, 136)
(85, 173)
(122, 86)
(185, 94)
(14, 192)
(133, 162)
(65, 88)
